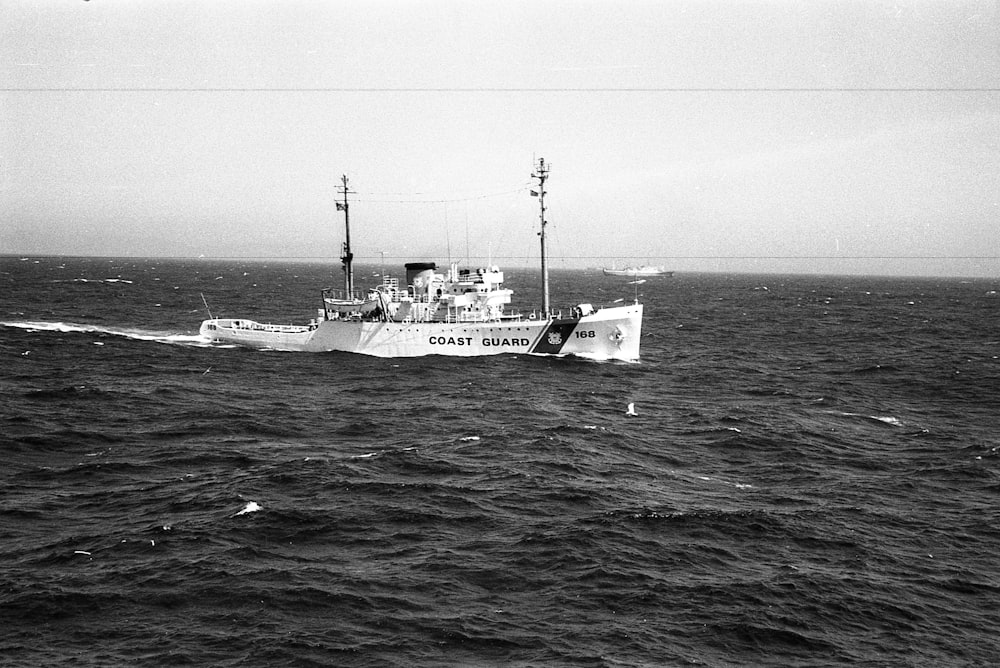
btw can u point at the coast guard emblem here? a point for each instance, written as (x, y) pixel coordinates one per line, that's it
(553, 339)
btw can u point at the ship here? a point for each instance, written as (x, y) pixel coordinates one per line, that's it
(641, 272)
(452, 311)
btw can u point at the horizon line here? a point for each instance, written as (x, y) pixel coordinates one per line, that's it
(505, 89)
(520, 257)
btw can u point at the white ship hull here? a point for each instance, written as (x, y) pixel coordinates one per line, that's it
(606, 334)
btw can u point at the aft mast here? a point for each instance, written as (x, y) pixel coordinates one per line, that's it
(348, 257)
(542, 173)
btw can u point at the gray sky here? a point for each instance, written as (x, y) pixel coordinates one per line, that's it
(788, 136)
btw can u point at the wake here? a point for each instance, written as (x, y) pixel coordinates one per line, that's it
(136, 334)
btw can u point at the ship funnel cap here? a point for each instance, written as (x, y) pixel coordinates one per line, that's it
(420, 274)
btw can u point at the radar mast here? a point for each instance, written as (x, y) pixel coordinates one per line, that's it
(348, 257)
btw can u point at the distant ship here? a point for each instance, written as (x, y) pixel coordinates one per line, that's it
(458, 312)
(645, 270)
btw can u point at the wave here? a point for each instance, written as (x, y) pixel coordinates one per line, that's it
(885, 419)
(94, 280)
(126, 332)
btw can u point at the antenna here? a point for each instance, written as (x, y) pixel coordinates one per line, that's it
(447, 234)
(542, 173)
(205, 301)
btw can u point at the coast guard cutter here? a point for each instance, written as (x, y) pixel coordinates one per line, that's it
(458, 312)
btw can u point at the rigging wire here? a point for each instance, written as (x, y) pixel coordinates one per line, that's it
(373, 197)
(503, 89)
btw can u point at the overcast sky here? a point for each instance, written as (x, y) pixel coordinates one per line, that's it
(785, 136)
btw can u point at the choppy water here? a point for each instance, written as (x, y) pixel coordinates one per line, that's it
(811, 479)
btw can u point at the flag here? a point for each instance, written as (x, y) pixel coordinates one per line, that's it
(340, 207)
(534, 193)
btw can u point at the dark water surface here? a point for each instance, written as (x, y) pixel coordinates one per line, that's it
(811, 479)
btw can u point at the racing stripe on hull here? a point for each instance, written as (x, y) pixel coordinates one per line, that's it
(554, 337)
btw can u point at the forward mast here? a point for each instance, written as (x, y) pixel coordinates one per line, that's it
(542, 173)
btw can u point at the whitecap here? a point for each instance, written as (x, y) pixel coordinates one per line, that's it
(251, 507)
(469, 438)
(888, 419)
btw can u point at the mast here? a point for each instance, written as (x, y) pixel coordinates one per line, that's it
(542, 173)
(348, 257)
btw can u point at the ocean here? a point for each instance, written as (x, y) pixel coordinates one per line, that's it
(811, 478)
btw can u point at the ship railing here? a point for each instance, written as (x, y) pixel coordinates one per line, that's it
(266, 327)
(288, 328)
(453, 318)
(534, 315)
(482, 317)
(341, 295)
